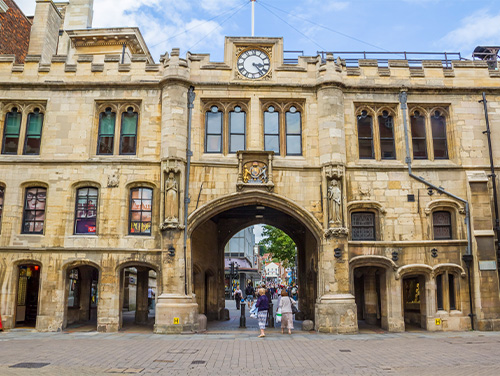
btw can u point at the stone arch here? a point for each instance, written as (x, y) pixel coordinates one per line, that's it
(410, 269)
(454, 268)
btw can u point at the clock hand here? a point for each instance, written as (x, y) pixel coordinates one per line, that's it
(258, 66)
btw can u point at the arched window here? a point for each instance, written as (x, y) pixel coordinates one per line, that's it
(86, 211)
(237, 125)
(11, 131)
(128, 136)
(33, 138)
(446, 291)
(140, 216)
(363, 226)
(272, 130)
(293, 127)
(418, 136)
(107, 120)
(438, 125)
(386, 132)
(213, 130)
(441, 222)
(365, 135)
(34, 210)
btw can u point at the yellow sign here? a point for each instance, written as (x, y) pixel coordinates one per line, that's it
(176, 321)
(438, 321)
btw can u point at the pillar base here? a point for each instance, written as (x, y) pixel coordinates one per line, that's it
(176, 314)
(336, 314)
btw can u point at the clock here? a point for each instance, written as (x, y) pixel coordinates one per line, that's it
(253, 63)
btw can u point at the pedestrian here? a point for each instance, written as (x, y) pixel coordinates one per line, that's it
(237, 296)
(286, 312)
(295, 292)
(151, 296)
(263, 307)
(249, 294)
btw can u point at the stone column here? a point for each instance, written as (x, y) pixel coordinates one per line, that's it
(371, 299)
(141, 307)
(392, 287)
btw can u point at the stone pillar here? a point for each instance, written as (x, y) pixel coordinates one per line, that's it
(108, 305)
(141, 308)
(395, 320)
(371, 298)
(45, 31)
(84, 313)
(176, 308)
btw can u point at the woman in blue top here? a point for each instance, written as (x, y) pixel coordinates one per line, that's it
(263, 306)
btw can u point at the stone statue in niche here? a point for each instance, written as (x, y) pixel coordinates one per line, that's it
(171, 199)
(334, 203)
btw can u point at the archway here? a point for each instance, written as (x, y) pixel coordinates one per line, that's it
(28, 288)
(414, 301)
(214, 224)
(138, 293)
(82, 297)
(370, 293)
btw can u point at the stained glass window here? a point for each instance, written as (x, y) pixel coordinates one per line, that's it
(442, 225)
(34, 210)
(86, 211)
(363, 226)
(141, 200)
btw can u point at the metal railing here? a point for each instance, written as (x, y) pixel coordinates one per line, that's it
(414, 59)
(292, 57)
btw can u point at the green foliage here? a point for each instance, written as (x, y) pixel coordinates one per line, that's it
(279, 244)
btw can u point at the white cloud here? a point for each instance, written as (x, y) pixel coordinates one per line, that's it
(480, 28)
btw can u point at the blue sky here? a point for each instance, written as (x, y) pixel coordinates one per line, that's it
(306, 25)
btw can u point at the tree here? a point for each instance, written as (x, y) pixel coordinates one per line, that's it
(279, 244)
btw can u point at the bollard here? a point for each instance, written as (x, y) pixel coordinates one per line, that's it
(271, 315)
(243, 319)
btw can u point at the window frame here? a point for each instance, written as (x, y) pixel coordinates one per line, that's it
(449, 226)
(447, 291)
(427, 113)
(130, 211)
(220, 135)
(26, 210)
(231, 133)
(76, 218)
(5, 129)
(122, 133)
(373, 226)
(26, 135)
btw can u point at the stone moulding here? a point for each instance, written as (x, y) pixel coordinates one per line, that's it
(336, 232)
(255, 170)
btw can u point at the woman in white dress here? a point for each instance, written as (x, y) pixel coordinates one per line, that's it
(286, 312)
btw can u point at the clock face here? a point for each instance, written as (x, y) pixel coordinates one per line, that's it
(253, 63)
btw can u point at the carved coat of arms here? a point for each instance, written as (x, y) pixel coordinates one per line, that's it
(255, 173)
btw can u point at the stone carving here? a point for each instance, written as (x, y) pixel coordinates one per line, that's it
(113, 180)
(171, 199)
(255, 173)
(334, 171)
(337, 232)
(334, 203)
(255, 170)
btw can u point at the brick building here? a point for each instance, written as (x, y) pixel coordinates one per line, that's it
(378, 170)
(15, 30)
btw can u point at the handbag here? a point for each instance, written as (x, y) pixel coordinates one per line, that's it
(294, 308)
(278, 315)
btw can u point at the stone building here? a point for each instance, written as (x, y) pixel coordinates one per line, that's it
(110, 161)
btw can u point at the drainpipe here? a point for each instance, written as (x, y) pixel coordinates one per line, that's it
(187, 200)
(492, 175)
(467, 258)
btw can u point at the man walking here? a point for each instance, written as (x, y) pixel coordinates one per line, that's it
(249, 294)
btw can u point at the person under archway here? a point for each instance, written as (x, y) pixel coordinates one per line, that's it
(262, 306)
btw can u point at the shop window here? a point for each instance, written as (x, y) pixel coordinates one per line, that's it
(86, 211)
(283, 129)
(365, 136)
(441, 221)
(34, 210)
(363, 226)
(127, 143)
(446, 291)
(429, 135)
(74, 288)
(12, 132)
(140, 211)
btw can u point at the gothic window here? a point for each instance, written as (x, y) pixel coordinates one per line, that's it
(438, 125)
(11, 131)
(34, 210)
(107, 120)
(272, 130)
(74, 288)
(446, 290)
(363, 226)
(293, 132)
(128, 137)
(237, 125)
(386, 132)
(418, 137)
(365, 135)
(213, 130)
(86, 211)
(441, 221)
(2, 192)
(140, 211)
(33, 138)
(108, 142)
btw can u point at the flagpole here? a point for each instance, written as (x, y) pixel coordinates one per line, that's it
(253, 17)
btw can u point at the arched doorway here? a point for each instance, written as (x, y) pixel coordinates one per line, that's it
(414, 301)
(213, 225)
(138, 293)
(82, 291)
(28, 287)
(370, 293)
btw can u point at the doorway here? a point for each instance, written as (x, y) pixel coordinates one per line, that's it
(83, 297)
(414, 302)
(27, 295)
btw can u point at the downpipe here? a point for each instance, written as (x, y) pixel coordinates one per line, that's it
(467, 258)
(187, 200)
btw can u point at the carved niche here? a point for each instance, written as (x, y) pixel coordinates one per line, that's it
(255, 170)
